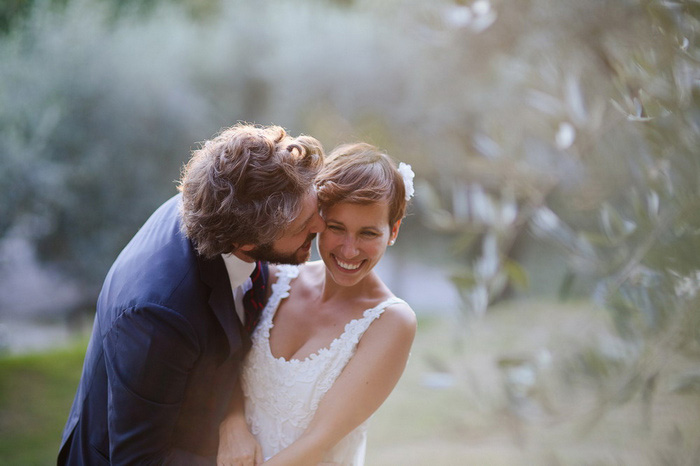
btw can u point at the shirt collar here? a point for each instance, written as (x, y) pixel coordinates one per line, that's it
(238, 270)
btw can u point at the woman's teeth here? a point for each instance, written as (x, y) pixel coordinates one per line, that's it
(345, 265)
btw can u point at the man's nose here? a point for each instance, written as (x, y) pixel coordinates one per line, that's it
(317, 224)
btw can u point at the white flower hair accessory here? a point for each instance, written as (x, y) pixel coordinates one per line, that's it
(407, 175)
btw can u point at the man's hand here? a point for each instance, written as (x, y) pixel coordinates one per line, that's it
(237, 446)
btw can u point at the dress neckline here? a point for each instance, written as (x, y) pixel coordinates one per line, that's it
(281, 291)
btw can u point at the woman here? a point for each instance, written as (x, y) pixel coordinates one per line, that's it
(333, 340)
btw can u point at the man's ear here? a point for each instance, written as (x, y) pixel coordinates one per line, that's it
(246, 247)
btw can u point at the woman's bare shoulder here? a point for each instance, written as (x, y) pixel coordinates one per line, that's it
(392, 333)
(402, 314)
(398, 321)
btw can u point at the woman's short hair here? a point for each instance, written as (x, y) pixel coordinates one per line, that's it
(361, 174)
(245, 186)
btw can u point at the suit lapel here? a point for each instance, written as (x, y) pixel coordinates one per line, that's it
(213, 273)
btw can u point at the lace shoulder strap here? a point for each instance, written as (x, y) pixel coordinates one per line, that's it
(280, 289)
(285, 274)
(356, 328)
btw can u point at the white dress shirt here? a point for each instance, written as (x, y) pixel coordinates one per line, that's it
(239, 275)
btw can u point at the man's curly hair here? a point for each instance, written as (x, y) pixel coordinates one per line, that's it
(245, 186)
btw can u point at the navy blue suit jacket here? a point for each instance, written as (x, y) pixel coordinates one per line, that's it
(163, 358)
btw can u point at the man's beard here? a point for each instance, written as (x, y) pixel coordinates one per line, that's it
(267, 253)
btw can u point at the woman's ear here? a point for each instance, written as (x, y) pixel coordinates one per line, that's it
(394, 232)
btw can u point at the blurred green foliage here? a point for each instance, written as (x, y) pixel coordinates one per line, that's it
(11, 11)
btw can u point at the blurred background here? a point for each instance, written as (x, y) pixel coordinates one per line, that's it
(552, 250)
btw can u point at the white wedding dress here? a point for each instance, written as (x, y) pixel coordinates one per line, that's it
(281, 396)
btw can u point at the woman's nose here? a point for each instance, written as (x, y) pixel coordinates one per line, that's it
(349, 248)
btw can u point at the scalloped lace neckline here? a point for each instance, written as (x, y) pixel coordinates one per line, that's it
(281, 291)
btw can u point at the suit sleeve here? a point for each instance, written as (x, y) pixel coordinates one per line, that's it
(149, 353)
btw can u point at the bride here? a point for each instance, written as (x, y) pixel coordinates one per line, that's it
(333, 340)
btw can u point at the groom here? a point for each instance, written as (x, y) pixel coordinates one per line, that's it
(176, 309)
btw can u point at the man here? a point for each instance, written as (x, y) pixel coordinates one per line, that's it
(175, 312)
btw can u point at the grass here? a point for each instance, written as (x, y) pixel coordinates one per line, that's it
(36, 392)
(457, 403)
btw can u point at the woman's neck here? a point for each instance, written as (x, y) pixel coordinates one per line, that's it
(366, 288)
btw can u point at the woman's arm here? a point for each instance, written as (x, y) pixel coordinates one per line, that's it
(361, 388)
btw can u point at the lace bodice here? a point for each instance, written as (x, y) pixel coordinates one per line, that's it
(281, 396)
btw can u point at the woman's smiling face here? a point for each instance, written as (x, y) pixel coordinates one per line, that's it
(355, 239)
